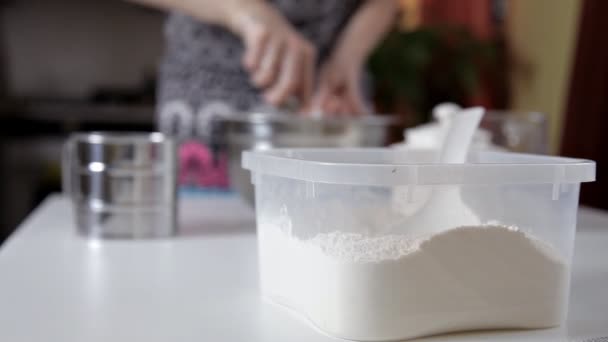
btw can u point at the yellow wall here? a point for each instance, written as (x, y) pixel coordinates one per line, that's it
(542, 35)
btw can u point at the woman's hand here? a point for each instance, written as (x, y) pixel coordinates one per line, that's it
(339, 88)
(280, 61)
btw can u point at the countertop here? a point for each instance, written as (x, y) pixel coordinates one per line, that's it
(202, 285)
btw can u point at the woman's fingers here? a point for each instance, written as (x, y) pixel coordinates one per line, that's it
(328, 100)
(280, 61)
(354, 98)
(308, 78)
(256, 40)
(296, 75)
(345, 92)
(340, 101)
(331, 97)
(270, 64)
(286, 84)
(332, 105)
(324, 97)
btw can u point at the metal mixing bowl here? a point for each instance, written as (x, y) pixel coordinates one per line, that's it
(259, 131)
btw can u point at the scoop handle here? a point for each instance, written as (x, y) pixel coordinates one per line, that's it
(460, 131)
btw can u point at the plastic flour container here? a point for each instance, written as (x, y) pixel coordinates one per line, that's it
(379, 244)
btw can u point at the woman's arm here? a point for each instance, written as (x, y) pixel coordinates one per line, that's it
(366, 28)
(340, 79)
(280, 61)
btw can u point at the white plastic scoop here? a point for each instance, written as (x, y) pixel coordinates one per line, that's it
(445, 207)
(461, 128)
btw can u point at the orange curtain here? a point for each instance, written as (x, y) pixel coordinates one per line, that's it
(475, 15)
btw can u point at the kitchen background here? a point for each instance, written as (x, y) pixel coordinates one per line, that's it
(68, 65)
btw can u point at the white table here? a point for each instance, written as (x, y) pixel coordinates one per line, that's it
(202, 286)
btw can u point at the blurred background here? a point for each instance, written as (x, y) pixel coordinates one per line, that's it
(69, 65)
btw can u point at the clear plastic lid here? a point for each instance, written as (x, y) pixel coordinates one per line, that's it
(387, 167)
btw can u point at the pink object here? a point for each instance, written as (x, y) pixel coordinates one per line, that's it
(196, 166)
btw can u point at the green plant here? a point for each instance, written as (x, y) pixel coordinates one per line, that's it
(412, 71)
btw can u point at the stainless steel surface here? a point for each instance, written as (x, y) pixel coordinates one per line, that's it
(122, 185)
(258, 131)
(120, 188)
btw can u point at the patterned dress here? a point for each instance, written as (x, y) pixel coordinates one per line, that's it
(201, 75)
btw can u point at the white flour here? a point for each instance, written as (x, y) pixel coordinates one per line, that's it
(392, 288)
